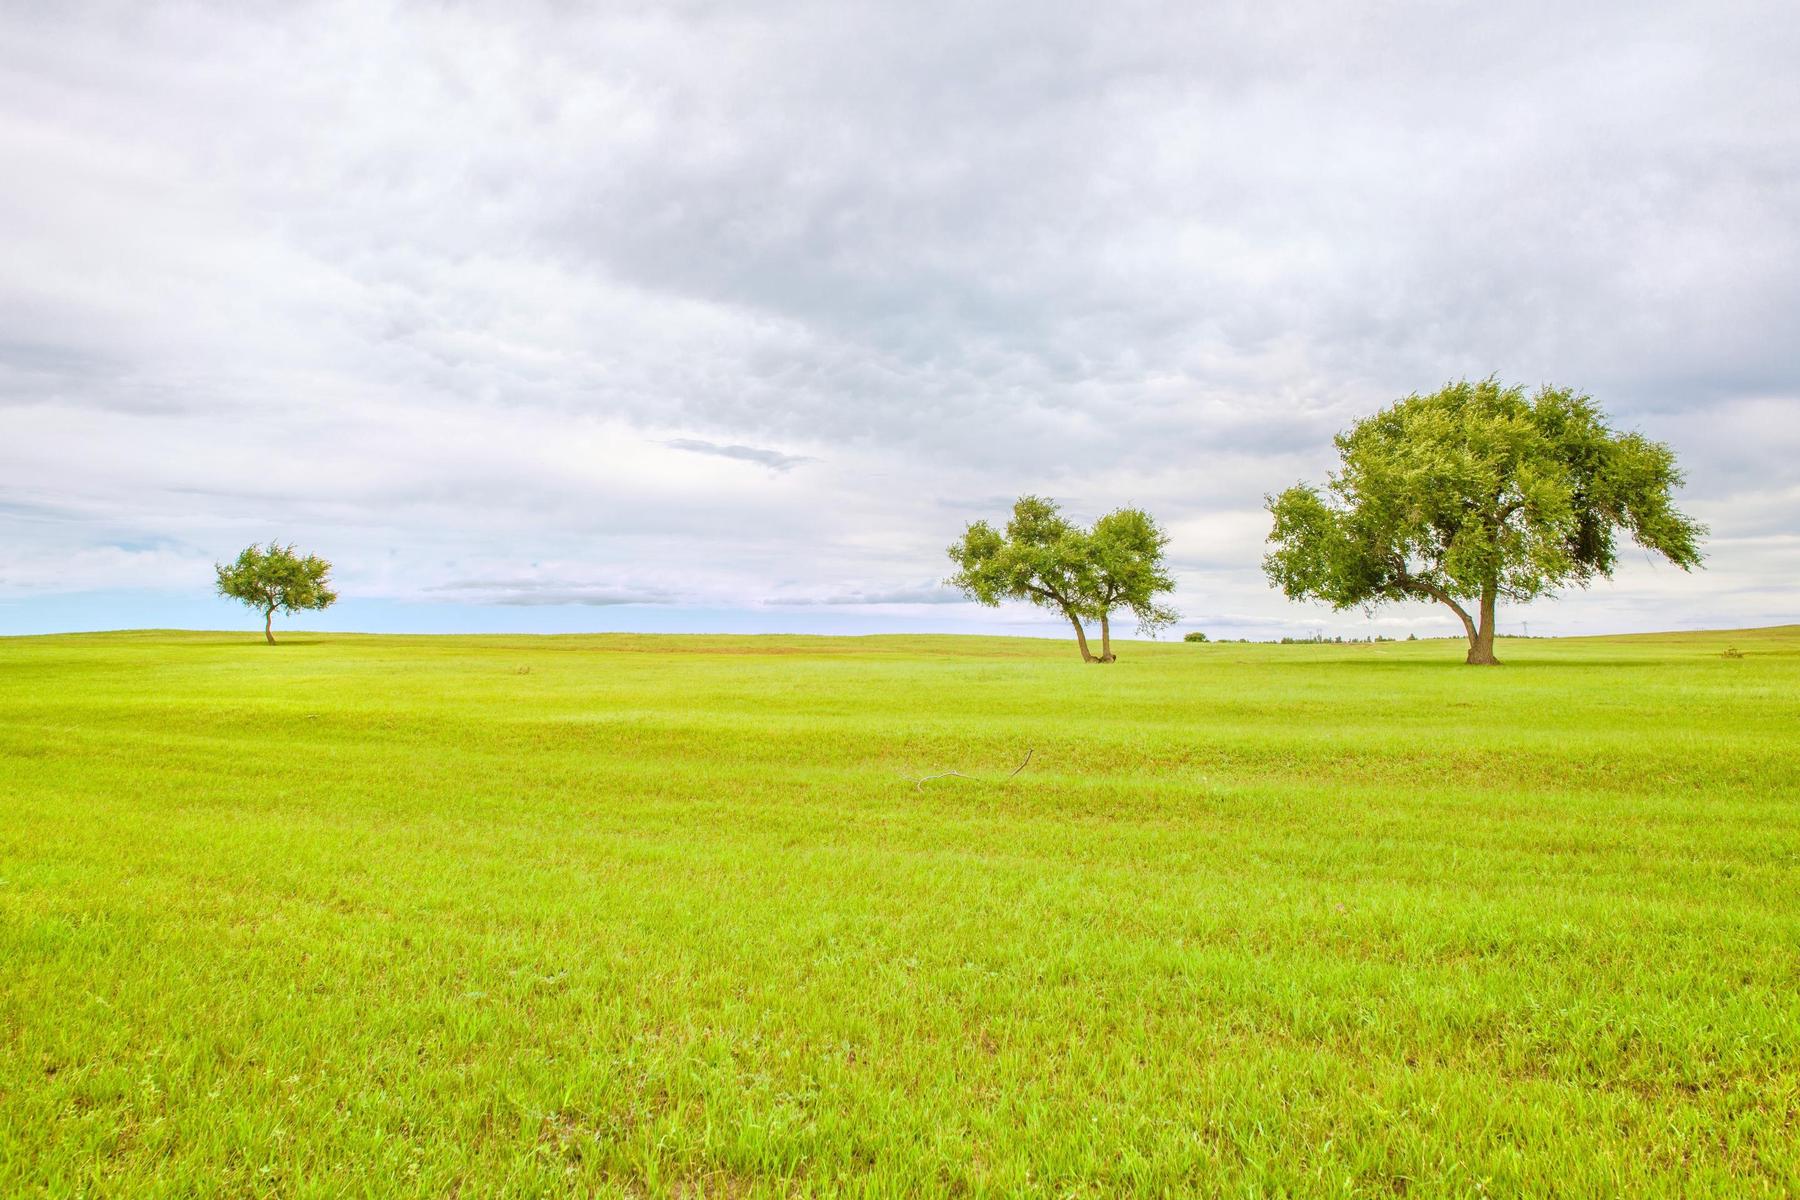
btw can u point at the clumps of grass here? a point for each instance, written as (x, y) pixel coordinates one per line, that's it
(521, 670)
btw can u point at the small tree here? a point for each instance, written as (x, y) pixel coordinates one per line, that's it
(1046, 560)
(1475, 494)
(274, 577)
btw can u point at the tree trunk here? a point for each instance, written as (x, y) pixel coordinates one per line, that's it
(1080, 636)
(269, 626)
(1462, 614)
(1106, 654)
(1481, 639)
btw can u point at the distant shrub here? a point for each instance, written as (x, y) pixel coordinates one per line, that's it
(1195, 636)
(1731, 652)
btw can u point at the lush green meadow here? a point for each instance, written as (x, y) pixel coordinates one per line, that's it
(636, 915)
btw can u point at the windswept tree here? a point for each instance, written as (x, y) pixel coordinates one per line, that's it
(275, 578)
(1476, 494)
(1085, 575)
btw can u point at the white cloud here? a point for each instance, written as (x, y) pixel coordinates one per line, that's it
(726, 306)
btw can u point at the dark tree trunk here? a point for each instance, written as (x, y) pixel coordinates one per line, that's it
(1080, 636)
(269, 626)
(1106, 654)
(1481, 638)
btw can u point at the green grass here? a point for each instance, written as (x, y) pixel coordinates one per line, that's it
(370, 916)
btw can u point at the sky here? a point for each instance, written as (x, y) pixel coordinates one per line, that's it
(730, 316)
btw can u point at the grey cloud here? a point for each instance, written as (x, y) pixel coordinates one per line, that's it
(584, 599)
(927, 594)
(775, 460)
(544, 592)
(26, 509)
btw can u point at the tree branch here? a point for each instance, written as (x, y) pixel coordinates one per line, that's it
(919, 784)
(1414, 583)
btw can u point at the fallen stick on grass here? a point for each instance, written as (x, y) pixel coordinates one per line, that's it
(919, 784)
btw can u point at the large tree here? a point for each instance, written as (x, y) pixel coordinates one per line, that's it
(275, 578)
(1046, 560)
(1475, 494)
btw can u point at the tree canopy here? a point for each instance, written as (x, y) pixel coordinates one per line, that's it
(1474, 494)
(1086, 575)
(275, 578)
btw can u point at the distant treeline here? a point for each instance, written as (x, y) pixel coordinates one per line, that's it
(1318, 640)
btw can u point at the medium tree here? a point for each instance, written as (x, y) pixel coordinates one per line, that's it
(275, 577)
(1125, 569)
(1044, 559)
(1475, 494)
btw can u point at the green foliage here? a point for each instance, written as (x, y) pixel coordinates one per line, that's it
(275, 579)
(1474, 494)
(1039, 559)
(1085, 575)
(667, 916)
(1195, 636)
(1125, 569)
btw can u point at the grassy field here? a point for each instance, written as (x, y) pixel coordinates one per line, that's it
(371, 916)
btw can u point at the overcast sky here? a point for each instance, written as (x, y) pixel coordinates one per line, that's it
(732, 315)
